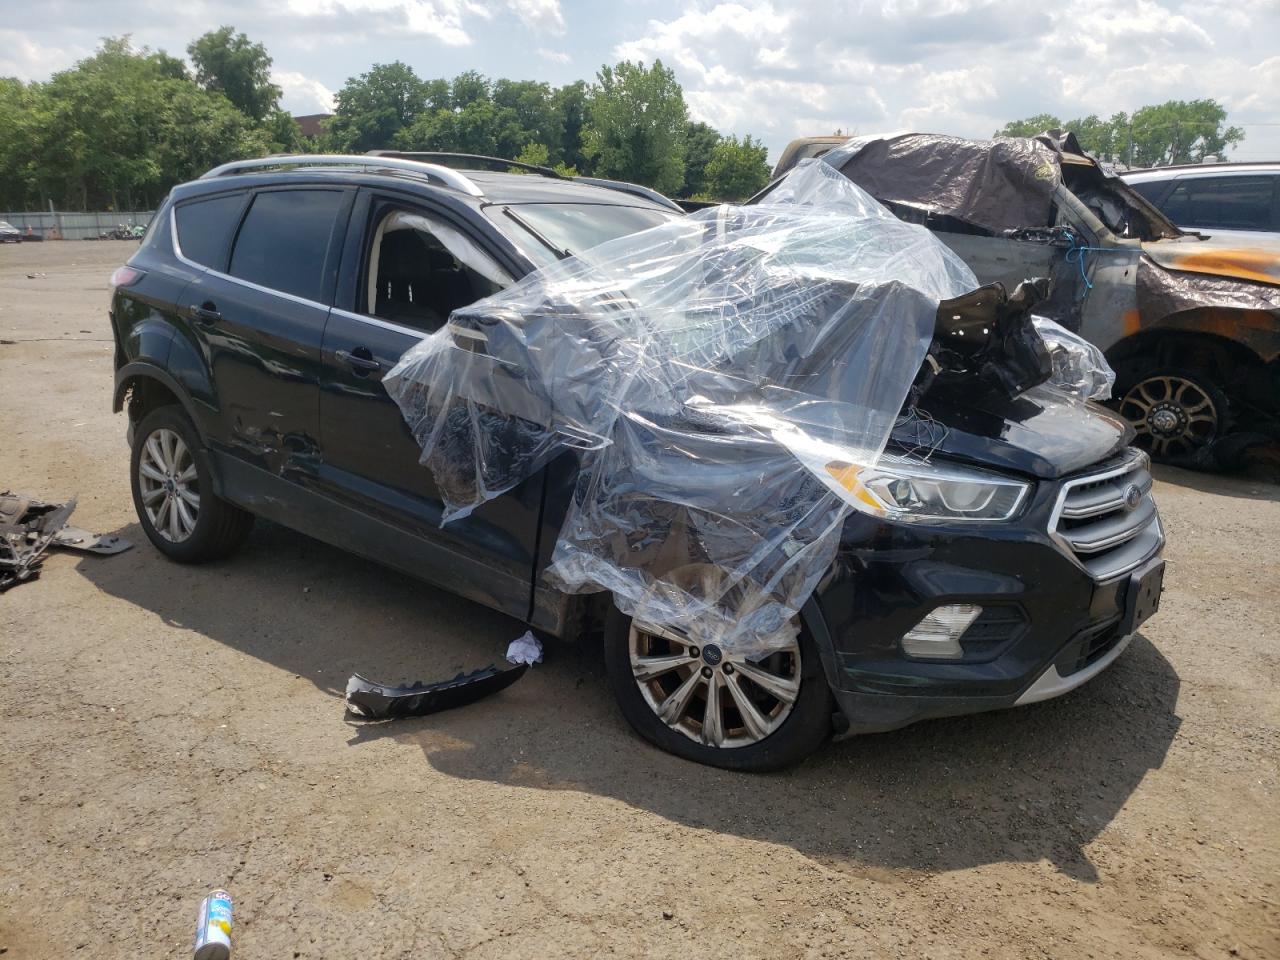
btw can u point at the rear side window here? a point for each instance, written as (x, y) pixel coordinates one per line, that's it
(284, 239)
(1224, 203)
(205, 228)
(1151, 190)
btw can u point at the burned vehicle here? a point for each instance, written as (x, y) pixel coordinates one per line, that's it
(796, 490)
(1191, 324)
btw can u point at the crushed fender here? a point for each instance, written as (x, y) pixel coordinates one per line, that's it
(369, 700)
(29, 527)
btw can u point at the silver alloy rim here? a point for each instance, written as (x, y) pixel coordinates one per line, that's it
(167, 479)
(1172, 416)
(714, 696)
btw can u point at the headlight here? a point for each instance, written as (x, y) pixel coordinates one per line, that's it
(902, 489)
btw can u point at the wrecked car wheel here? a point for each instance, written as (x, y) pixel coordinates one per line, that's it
(169, 473)
(716, 707)
(1176, 413)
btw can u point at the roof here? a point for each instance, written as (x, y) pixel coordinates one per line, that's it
(1199, 170)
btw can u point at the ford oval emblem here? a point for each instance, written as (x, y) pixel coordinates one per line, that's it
(1132, 497)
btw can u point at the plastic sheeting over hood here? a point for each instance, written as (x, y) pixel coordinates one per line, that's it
(726, 379)
(1002, 184)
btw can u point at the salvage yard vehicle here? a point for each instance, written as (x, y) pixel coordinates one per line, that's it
(1190, 324)
(1238, 199)
(9, 233)
(1004, 550)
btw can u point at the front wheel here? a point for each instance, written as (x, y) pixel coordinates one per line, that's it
(1176, 413)
(170, 475)
(711, 705)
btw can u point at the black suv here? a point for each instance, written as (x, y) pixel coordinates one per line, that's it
(268, 298)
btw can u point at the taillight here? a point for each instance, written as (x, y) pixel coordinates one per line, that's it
(126, 276)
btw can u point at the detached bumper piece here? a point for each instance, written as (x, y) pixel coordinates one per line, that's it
(29, 527)
(368, 700)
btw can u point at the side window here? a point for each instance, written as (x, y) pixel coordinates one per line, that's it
(284, 239)
(421, 269)
(1227, 203)
(205, 228)
(1152, 190)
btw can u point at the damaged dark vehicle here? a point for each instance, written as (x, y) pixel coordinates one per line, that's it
(798, 491)
(1191, 324)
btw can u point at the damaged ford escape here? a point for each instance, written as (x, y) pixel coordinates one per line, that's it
(801, 469)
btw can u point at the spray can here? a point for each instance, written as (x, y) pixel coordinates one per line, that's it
(213, 929)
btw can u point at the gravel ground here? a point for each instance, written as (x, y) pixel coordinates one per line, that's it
(171, 729)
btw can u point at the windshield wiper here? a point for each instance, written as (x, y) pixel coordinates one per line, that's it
(560, 254)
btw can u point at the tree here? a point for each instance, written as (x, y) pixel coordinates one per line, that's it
(737, 169)
(636, 119)
(1177, 131)
(376, 106)
(570, 102)
(700, 141)
(231, 64)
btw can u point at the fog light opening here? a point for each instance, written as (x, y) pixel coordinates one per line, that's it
(937, 636)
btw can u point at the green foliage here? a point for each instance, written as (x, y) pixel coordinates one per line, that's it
(1177, 131)
(636, 119)
(118, 129)
(231, 64)
(535, 154)
(570, 105)
(700, 141)
(376, 106)
(737, 169)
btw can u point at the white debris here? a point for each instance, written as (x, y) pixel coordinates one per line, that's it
(526, 649)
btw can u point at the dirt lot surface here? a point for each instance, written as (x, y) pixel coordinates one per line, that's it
(172, 729)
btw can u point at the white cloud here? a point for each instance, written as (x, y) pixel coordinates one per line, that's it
(27, 59)
(542, 15)
(301, 94)
(961, 66)
(440, 19)
(554, 56)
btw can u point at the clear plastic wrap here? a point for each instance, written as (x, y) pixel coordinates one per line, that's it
(724, 376)
(1079, 367)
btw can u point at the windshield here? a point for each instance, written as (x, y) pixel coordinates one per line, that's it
(571, 228)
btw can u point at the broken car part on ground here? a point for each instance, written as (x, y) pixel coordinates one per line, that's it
(1190, 324)
(29, 527)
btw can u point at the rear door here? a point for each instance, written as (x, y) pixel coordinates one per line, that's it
(416, 263)
(261, 306)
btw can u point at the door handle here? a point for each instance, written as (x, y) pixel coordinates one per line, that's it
(206, 313)
(360, 359)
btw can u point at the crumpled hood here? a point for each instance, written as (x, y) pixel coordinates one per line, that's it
(1222, 256)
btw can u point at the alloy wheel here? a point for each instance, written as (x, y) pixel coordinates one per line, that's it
(167, 479)
(1172, 415)
(711, 695)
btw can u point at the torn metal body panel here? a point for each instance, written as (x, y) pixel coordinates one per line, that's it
(370, 700)
(29, 527)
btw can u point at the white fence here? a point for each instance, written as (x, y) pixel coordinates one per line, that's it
(77, 226)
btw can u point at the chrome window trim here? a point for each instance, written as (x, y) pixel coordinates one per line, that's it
(379, 322)
(1134, 458)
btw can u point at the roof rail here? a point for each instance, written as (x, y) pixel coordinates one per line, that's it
(635, 189)
(441, 156)
(445, 175)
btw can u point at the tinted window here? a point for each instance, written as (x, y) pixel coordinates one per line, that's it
(284, 239)
(1151, 190)
(205, 228)
(1225, 203)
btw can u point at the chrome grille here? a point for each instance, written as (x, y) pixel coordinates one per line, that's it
(1107, 520)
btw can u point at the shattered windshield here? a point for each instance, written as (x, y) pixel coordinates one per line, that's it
(551, 231)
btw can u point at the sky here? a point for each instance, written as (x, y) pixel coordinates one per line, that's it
(773, 70)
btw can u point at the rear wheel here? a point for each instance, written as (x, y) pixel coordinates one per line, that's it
(714, 706)
(1176, 413)
(170, 475)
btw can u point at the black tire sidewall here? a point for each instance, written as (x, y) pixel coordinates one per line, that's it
(800, 734)
(197, 546)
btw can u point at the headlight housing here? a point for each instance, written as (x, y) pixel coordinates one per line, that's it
(910, 490)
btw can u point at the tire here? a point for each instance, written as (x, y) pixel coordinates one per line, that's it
(183, 518)
(794, 733)
(1177, 413)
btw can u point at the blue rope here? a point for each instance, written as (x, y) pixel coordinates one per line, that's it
(1076, 252)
